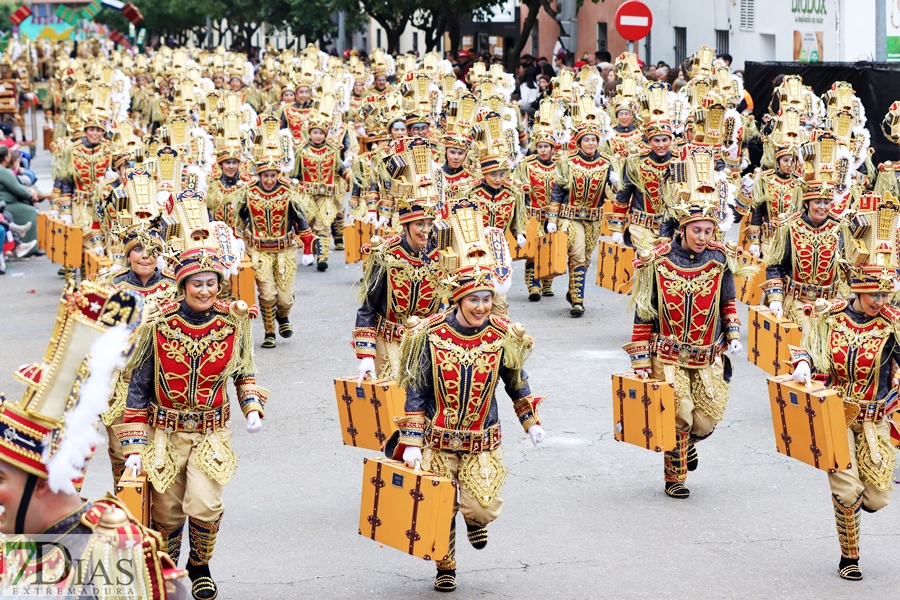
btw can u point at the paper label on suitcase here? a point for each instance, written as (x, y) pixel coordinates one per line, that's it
(748, 288)
(769, 339)
(355, 237)
(809, 423)
(615, 267)
(135, 494)
(367, 411)
(551, 255)
(644, 412)
(406, 509)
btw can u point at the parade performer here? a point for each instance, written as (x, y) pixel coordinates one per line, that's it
(641, 202)
(45, 453)
(851, 345)
(451, 424)
(273, 221)
(686, 317)
(538, 173)
(802, 261)
(576, 206)
(177, 417)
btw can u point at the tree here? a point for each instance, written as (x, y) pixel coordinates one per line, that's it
(534, 8)
(436, 16)
(392, 15)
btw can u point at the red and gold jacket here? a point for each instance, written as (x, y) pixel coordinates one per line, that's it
(803, 259)
(580, 188)
(272, 219)
(318, 169)
(537, 177)
(180, 367)
(456, 183)
(501, 208)
(642, 195)
(222, 196)
(397, 284)
(294, 117)
(79, 170)
(452, 379)
(685, 306)
(774, 195)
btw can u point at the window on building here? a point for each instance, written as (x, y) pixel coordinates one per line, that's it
(535, 40)
(415, 41)
(680, 45)
(722, 39)
(378, 38)
(748, 15)
(602, 37)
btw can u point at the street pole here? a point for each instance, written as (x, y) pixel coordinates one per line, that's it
(881, 30)
(631, 47)
(341, 42)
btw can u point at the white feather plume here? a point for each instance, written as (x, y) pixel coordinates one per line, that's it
(81, 437)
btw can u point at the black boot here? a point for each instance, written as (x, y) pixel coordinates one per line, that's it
(477, 534)
(693, 459)
(445, 581)
(202, 585)
(284, 326)
(849, 569)
(322, 265)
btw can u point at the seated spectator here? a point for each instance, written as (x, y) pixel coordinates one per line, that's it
(19, 199)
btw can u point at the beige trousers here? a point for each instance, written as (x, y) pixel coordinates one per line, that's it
(700, 395)
(116, 457)
(848, 485)
(275, 273)
(583, 238)
(193, 493)
(466, 503)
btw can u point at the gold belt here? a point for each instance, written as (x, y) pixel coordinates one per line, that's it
(807, 291)
(567, 211)
(538, 213)
(683, 353)
(645, 219)
(319, 189)
(388, 330)
(458, 440)
(271, 244)
(179, 420)
(870, 410)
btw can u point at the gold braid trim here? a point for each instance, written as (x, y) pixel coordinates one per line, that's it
(817, 342)
(483, 475)
(632, 168)
(374, 267)
(779, 244)
(412, 349)
(737, 268)
(641, 299)
(242, 362)
(63, 167)
(517, 347)
(874, 458)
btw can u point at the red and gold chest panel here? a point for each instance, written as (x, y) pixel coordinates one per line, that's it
(412, 283)
(191, 360)
(219, 207)
(318, 165)
(269, 211)
(91, 165)
(588, 181)
(163, 289)
(779, 196)
(626, 144)
(814, 252)
(688, 300)
(457, 185)
(540, 180)
(296, 120)
(856, 352)
(652, 176)
(497, 211)
(466, 371)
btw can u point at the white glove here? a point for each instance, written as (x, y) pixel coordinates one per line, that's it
(776, 308)
(370, 217)
(382, 221)
(133, 462)
(748, 183)
(618, 237)
(735, 347)
(537, 434)
(67, 219)
(54, 213)
(802, 372)
(307, 259)
(754, 250)
(98, 250)
(642, 373)
(412, 455)
(744, 164)
(254, 423)
(521, 241)
(551, 227)
(349, 219)
(366, 367)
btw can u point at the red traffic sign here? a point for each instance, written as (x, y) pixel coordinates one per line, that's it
(634, 20)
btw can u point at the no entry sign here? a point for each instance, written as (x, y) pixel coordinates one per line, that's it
(634, 20)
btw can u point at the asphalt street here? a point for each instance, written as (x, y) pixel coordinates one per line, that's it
(584, 516)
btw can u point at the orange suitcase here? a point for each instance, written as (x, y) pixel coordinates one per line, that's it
(406, 509)
(94, 263)
(551, 255)
(531, 235)
(644, 412)
(748, 288)
(43, 226)
(66, 244)
(742, 236)
(615, 267)
(135, 493)
(243, 285)
(48, 136)
(768, 340)
(355, 237)
(367, 412)
(809, 423)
